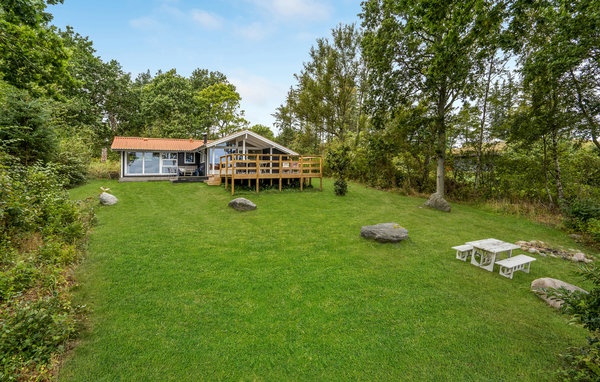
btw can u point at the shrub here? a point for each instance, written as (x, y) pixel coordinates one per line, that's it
(31, 331)
(340, 187)
(104, 170)
(579, 212)
(583, 364)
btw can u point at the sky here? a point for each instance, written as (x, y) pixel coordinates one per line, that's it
(258, 44)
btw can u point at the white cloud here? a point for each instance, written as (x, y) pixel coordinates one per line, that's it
(206, 19)
(260, 96)
(145, 23)
(289, 9)
(254, 31)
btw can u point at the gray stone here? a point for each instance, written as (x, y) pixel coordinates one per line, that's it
(437, 202)
(107, 199)
(384, 232)
(521, 243)
(575, 236)
(539, 285)
(242, 204)
(532, 250)
(577, 257)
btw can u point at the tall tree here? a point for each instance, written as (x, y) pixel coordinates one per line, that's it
(430, 50)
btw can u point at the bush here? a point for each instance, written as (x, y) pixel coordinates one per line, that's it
(74, 159)
(104, 170)
(580, 211)
(30, 332)
(583, 364)
(340, 187)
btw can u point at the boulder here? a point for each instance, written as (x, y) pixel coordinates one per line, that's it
(539, 285)
(384, 232)
(242, 204)
(107, 199)
(532, 250)
(578, 257)
(437, 202)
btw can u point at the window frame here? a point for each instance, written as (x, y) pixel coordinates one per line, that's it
(185, 159)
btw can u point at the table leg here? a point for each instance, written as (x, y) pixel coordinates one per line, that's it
(492, 260)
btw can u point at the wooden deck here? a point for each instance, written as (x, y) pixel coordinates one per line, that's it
(270, 166)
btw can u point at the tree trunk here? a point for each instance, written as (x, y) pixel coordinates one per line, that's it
(545, 166)
(584, 111)
(559, 187)
(482, 125)
(441, 141)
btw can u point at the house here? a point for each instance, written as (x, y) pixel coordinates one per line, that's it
(144, 159)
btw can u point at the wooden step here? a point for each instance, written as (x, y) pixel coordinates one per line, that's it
(214, 181)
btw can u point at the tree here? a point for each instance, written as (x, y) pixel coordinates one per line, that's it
(32, 55)
(263, 130)
(426, 50)
(221, 109)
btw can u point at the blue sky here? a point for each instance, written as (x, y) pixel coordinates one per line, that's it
(258, 44)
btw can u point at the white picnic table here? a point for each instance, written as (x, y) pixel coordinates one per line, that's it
(487, 250)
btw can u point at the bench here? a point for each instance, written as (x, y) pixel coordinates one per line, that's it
(513, 264)
(463, 251)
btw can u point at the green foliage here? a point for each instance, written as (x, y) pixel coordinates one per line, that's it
(340, 187)
(104, 170)
(263, 130)
(25, 130)
(41, 232)
(73, 159)
(583, 364)
(220, 104)
(30, 332)
(580, 211)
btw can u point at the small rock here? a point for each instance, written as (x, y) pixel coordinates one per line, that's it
(532, 250)
(525, 248)
(553, 255)
(575, 236)
(437, 202)
(577, 257)
(542, 254)
(587, 261)
(242, 204)
(384, 232)
(107, 199)
(521, 243)
(539, 285)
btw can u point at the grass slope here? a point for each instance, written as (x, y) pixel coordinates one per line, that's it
(183, 288)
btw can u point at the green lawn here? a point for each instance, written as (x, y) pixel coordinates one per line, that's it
(180, 287)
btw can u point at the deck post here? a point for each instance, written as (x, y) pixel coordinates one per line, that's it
(226, 169)
(279, 173)
(320, 174)
(232, 175)
(257, 171)
(301, 173)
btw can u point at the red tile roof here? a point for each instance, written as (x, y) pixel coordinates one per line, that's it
(158, 144)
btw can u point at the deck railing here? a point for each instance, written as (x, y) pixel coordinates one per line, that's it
(269, 166)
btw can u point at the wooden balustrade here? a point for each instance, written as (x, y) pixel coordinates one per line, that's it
(269, 166)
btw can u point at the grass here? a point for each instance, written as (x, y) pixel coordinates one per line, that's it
(180, 287)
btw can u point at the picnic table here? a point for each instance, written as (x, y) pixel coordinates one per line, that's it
(486, 251)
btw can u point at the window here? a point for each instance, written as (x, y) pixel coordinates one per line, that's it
(190, 158)
(169, 163)
(151, 163)
(135, 163)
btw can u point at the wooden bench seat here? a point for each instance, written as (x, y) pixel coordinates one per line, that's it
(513, 264)
(463, 251)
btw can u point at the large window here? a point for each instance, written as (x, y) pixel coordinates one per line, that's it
(169, 163)
(151, 163)
(135, 163)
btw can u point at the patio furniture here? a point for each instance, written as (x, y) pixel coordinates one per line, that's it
(513, 264)
(485, 252)
(463, 251)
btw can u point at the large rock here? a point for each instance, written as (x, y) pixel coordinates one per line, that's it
(539, 285)
(107, 199)
(384, 232)
(438, 202)
(242, 204)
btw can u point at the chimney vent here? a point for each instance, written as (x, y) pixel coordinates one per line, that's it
(205, 138)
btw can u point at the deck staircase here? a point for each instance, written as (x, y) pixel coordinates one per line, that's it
(214, 180)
